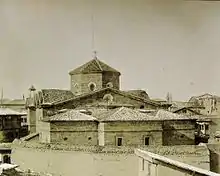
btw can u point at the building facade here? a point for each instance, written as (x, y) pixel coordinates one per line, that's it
(10, 124)
(112, 117)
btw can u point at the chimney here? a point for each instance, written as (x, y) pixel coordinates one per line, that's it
(31, 98)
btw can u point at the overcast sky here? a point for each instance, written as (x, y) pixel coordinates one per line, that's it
(158, 46)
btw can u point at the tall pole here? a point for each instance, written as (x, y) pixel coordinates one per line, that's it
(93, 28)
(2, 97)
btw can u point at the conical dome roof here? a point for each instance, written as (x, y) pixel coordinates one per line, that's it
(93, 66)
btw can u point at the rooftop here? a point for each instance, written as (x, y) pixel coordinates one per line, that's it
(13, 102)
(8, 111)
(203, 96)
(70, 115)
(93, 66)
(55, 95)
(128, 114)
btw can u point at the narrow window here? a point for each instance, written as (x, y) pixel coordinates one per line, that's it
(92, 86)
(207, 127)
(146, 141)
(119, 141)
(201, 127)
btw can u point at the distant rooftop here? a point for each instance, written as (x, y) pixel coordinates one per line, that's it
(13, 102)
(8, 111)
(206, 95)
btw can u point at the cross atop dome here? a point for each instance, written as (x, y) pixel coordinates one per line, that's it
(94, 54)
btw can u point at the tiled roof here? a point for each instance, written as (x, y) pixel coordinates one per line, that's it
(193, 98)
(56, 95)
(125, 114)
(8, 111)
(186, 108)
(113, 90)
(71, 115)
(128, 114)
(166, 115)
(93, 66)
(139, 93)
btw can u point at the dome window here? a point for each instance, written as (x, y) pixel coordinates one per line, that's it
(108, 97)
(92, 86)
(109, 85)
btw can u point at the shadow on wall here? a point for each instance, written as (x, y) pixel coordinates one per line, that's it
(214, 150)
(214, 162)
(172, 136)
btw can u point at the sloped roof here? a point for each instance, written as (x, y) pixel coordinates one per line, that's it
(193, 98)
(166, 115)
(8, 111)
(159, 99)
(56, 95)
(139, 93)
(127, 114)
(113, 90)
(71, 115)
(187, 108)
(93, 66)
(177, 105)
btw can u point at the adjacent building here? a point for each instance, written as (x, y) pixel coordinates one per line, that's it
(10, 124)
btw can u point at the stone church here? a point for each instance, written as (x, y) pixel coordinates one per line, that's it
(95, 111)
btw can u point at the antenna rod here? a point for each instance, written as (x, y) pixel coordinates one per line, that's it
(2, 97)
(93, 32)
(93, 29)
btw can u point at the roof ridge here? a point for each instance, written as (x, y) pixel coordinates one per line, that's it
(97, 61)
(114, 90)
(119, 110)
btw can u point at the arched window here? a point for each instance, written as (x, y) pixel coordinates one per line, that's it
(108, 97)
(109, 84)
(92, 86)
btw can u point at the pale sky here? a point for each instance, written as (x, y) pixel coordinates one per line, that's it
(158, 46)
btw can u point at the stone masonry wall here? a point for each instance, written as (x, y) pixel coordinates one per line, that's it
(31, 119)
(133, 133)
(178, 132)
(83, 81)
(83, 133)
(214, 157)
(111, 77)
(44, 132)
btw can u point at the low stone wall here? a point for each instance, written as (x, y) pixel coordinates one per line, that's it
(214, 157)
(80, 160)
